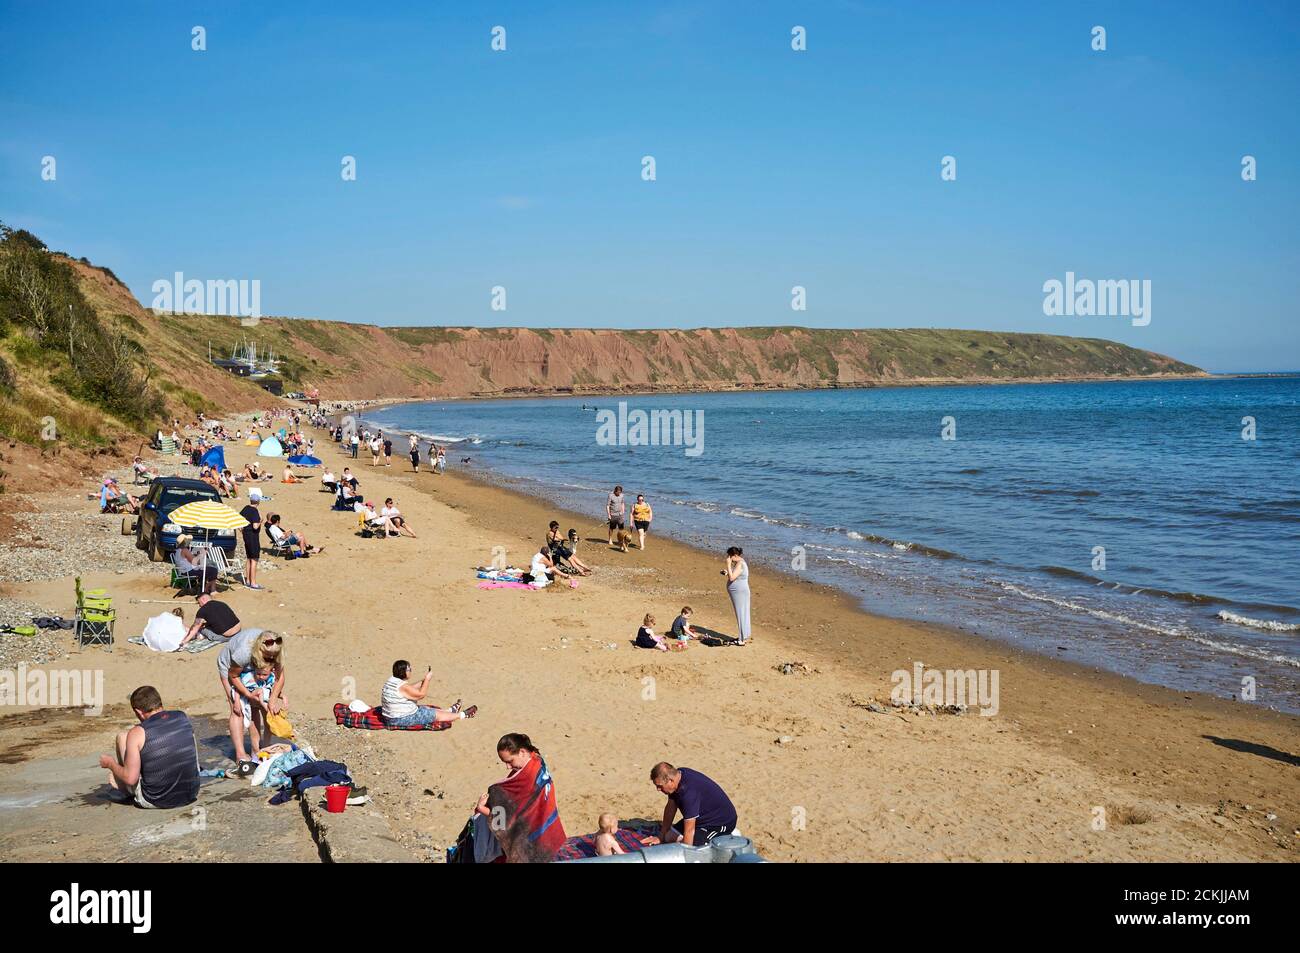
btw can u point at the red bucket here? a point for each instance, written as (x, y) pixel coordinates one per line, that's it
(336, 798)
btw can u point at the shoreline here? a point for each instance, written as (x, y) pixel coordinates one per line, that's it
(381, 403)
(814, 772)
(1159, 669)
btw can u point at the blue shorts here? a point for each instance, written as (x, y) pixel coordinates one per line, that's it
(424, 715)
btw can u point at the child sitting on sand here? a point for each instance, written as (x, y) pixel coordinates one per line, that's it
(682, 631)
(646, 638)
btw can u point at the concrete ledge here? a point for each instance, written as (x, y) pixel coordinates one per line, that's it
(358, 835)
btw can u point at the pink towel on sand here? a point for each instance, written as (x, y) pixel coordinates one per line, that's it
(504, 585)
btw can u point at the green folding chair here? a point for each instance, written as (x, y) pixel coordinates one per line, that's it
(95, 617)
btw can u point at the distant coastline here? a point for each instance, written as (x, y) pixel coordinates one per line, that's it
(380, 403)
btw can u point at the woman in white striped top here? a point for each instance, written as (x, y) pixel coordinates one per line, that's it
(399, 701)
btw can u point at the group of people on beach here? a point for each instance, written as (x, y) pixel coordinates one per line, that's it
(517, 819)
(155, 763)
(616, 517)
(381, 447)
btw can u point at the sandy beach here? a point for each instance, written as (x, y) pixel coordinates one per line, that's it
(1076, 764)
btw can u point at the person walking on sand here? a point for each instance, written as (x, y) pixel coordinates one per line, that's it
(641, 517)
(616, 512)
(252, 540)
(737, 573)
(388, 451)
(356, 444)
(415, 454)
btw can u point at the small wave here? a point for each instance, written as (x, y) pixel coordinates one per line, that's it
(1191, 598)
(1049, 491)
(1272, 625)
(771, 520)
(1116, 617)
(1068, 573)
(971, 471)
(1260, 514)
(698, 505)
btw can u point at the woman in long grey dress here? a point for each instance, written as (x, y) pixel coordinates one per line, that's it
(737, 573)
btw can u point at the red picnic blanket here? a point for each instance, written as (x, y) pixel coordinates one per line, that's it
(374, 720)
(575, 848)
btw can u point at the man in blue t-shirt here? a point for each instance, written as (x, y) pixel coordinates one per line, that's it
(705, 808)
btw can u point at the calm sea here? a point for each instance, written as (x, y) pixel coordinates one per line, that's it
(1125, 525)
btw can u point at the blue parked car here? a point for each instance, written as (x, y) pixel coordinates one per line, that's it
(156, 534)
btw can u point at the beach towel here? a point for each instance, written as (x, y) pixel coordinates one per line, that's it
(509, 574)
(373, 720)
(194, 646)
(533, 832)
(487, 584)
(576, 848)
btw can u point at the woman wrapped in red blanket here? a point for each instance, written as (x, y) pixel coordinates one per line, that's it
(521, 810)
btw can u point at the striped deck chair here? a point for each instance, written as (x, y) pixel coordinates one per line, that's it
(229, 568)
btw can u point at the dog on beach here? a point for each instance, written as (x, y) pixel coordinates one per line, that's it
(622, 538)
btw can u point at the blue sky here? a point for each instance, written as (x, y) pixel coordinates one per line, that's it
(775, 168)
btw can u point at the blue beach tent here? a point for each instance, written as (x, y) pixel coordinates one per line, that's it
(215, 457)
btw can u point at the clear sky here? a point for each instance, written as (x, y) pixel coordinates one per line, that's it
(775, 168)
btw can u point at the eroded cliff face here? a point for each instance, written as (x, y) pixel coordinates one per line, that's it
(355, 361)
(361, 361)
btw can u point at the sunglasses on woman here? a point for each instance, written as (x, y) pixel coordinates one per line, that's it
(272, 641)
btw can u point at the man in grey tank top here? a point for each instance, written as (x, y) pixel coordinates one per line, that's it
(157, 761)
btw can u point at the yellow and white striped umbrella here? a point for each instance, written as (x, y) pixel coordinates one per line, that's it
(206, 514)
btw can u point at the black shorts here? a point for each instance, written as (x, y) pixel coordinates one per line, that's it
(705, 834)
(253, 550)
(641, 524)
(617, 524)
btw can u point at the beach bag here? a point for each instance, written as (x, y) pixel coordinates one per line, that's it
(462, 852)
(279, 725)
